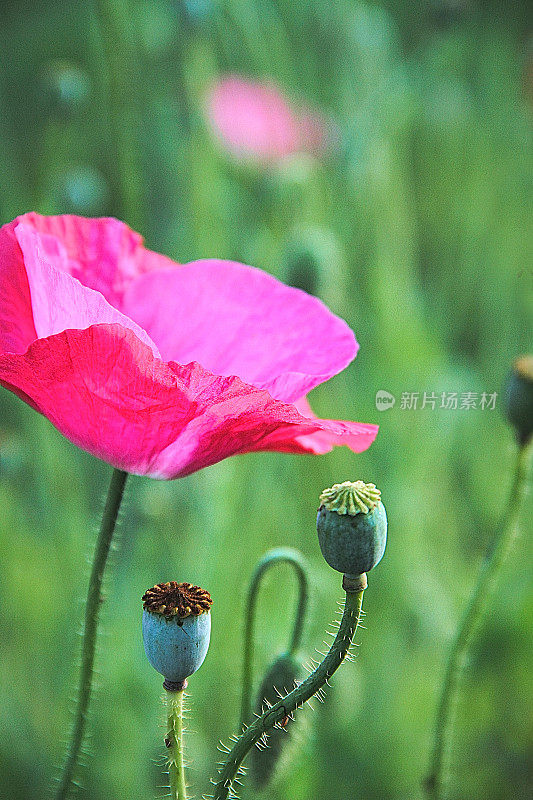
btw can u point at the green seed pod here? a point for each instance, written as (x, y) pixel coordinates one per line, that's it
(352, 527)
(279, 679)
(83, 190)
(176, 628)
(301, 269)
(518, 398)
(314, 261)
(67, 87)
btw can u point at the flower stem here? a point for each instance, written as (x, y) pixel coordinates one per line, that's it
(174, 743)
(114, 498)
(277, 556)
(286, 705)
(500, 548)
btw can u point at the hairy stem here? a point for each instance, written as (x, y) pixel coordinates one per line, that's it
(103, 544)
(174, 743)
(278, 556)
(286, 705)
(500, 548)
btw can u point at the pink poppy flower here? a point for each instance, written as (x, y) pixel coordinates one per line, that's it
(254, 119)
(157, 368)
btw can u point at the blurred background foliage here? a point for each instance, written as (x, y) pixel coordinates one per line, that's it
(417, 230)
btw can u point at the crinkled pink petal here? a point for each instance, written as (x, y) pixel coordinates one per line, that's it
(103, 254)
(17, 329)
(83, 307)
(106, 392)
(238, 320)
(359, 437)
(243, 419)
(58, 300)
(254, 119)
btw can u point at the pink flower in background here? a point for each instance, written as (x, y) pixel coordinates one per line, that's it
(255, 119)
(157, 368)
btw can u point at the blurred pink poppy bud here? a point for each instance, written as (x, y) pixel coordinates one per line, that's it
(255, 120)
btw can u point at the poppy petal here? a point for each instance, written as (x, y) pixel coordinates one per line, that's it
(238, 320)
(106, 392)
(358, 436)
(102, 253)
(17, 329)
(58, 300)
(233, 418)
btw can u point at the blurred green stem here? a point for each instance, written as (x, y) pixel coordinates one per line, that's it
(500, 548)
(281, 555)
(109, 519)
(174, 743)
(300, 695)
(117, 29)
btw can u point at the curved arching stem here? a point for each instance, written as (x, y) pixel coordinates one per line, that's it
(286, 705)
(280, 555)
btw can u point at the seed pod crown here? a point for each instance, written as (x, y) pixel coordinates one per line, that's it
(351, 497)
(177, 599)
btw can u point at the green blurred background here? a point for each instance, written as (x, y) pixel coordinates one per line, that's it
(417, 231)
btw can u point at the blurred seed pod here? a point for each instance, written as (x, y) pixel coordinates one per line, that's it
(67, 87)
(195, 11)
(302, 269)
(314, 261)
(83, 190)
(278, 680)
(11, 457)
(518, 398)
